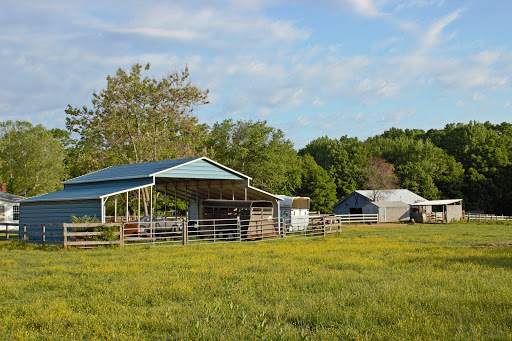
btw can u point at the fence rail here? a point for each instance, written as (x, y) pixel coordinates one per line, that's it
(10, 228)
(184, 232)
(486, 217)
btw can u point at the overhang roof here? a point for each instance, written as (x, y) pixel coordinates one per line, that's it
(93, 192)
(437, 202)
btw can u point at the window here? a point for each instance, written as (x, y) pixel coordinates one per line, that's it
(354, 210)
(2, 213)
(16, 212)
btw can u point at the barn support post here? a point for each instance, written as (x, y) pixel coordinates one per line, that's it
(138, 219)
(103, 210)
(127, 208)
(175, 203)
(197, 201)
(232, 189)
(165, 202)
(151, 214)
(220, 190)
(115, 209)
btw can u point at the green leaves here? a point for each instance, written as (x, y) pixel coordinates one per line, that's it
(257, 150)
(32, 159)
(138, 119)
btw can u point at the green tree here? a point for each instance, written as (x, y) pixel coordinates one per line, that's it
(345, 160)
(317, 185)
(32, 159)
(138, 119)
(259, 151)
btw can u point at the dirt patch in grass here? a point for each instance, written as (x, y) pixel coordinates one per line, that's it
(489, 246)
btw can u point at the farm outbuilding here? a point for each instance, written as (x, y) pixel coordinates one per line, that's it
(193, 180)
(390, 205)
(447, 210)
(9, 207)
(388, 211)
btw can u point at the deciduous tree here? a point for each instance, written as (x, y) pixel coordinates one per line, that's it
(32, 160)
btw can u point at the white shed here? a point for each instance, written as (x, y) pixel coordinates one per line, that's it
(9, 207)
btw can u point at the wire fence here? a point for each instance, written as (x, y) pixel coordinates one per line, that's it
(182, 231)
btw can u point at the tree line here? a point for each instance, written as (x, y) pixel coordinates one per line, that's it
(140, 119)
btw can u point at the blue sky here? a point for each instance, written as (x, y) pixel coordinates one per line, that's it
(310, 68)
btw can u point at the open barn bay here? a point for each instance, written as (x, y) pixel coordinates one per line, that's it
(366, 283)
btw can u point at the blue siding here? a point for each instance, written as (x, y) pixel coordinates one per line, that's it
(37, 213)
(200, 169)
(355, 200)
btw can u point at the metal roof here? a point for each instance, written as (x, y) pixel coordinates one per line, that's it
(131, 171)
(388, 203)
(403, 195)
(437, 202)
(92, 192)
(10, 197)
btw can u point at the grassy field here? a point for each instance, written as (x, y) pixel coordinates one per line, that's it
(418, 282)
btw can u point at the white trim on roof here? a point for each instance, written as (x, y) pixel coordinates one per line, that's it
(208, 160)
(266, 193)
(437, 202)
(127, 190)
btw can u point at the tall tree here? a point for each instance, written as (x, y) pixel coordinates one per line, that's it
(345, 160)
(380, 177)
(138, 119)
(32, 159)
(316, 184)
(257, 150)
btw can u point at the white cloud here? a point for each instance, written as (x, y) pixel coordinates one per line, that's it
(433, 35)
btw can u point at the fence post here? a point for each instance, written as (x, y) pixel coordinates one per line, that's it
(284, 226)
(214, 233)
(185, 230)
(323, 223)
(6, 232)
(121, 234)
(239, 227)
(24, 232)
(64, 236)
(43, 234)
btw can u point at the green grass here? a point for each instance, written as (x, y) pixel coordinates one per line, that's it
(417, 282)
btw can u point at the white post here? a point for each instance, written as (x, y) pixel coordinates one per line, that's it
(115, 209)
(127, 207)
(151, 213)
(138, 219)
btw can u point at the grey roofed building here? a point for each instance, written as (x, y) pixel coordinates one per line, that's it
(192, 180)
(360, 202)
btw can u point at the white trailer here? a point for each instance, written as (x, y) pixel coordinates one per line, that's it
(295, 212)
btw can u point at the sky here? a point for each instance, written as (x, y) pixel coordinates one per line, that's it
(310, 68)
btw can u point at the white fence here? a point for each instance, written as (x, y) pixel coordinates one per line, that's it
(486, 217)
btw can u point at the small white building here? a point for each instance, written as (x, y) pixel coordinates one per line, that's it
(295, 212)
(9, 208)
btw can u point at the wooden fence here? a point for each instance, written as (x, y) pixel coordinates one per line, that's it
(486, 217)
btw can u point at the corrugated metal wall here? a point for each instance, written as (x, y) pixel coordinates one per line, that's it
(55, 212)
(200, 169)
